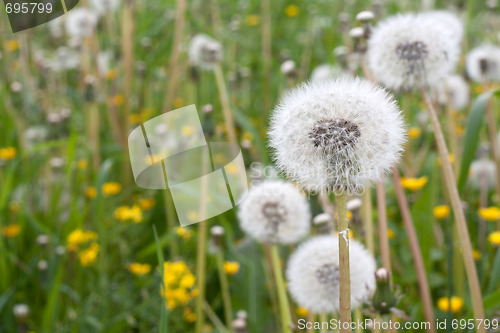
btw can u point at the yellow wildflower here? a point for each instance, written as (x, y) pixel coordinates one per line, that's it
(178, 103)
(301, 312)
(146, 203)
(231, 168)
(453, 304)
(134, 118)
(187, 281)
(490, 213)
(116, 100)
(111, 74)
(253, 20)
(184, 233)
(88, 256)
(138, 268)
(477, 254)
(82, 164)
(414, 184)
(178, 282)
(12, 45)
(11, 230)
(124, 213)
(494, 238)
(291, 10)
(91, 192)
(414, 132)
(8, 153)
(390, 233)
(459, 130)
(78, 237)
(189, 315)
(111, 188)
(441, 212)
(231, 267)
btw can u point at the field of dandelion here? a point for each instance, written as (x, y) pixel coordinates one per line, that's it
(84, 249)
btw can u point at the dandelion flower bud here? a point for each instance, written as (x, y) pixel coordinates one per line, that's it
(454, 90)
(382, 275)
(275, 212)
(21, 311)
(322, 219)
(313, 274)
(411, 52)
(354, 204)
(288, 67)
(383, 299)
(357, 32)
(483, 63)
(337, 134)
(42, 240)
(217, 232)
(204, 51)
(365, 16)
(80, 23)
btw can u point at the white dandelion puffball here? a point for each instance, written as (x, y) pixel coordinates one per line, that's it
(483, 63)
(411, 51)
(336, 134)
(204, 51)
(325, 72)
(449, 21)
(104, 7)
(455, 90)
(313, 274)
(481, 170)
(275, 212)
(80, 22)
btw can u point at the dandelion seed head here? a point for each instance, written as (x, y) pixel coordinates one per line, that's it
(275, 212)
(80, 23)
(483, 63)
(313, 274)
(204, 51)
(411, 51)
(103, 7)
(482, 169)
(326, 71)
(454, 90)
(336, 134)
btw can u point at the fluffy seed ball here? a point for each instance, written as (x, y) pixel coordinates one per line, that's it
(275, 212)
(336, 134)
(454, 90)
(411, 51)
(313, 274)
(449, 21)
(483, 63)
(80, 22)
(204, 51)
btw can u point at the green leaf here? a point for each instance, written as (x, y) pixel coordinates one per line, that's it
(471, 140)
(495, 273)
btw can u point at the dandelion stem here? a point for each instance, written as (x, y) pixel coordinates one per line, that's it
(286, 319)
(226, 108)
(345, 276)
(423, 284)
(463, 232)
(323, 318)
(226, 296)
(200, 275)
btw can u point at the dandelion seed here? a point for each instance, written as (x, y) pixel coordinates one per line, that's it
(411, 51)
(336, 134)
(313, 274)
(275, 212)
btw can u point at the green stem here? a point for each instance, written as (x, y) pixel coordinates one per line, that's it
(345, 276)
(286, 319)
(200, 275)
(323, 318)
(226, 296)
(169, 212)
(366, 213)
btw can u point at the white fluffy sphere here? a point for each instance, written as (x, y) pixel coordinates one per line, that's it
(455, 90)
(313, 274)
(80, 22)
(204, 51)
(336, 134)
(483, 63)
(482, 168)
(104, 7)
(411, 51)
(275, 212)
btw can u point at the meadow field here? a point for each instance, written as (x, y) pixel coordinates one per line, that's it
(398, 169)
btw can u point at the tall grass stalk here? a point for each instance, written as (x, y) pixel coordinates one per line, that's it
(423, 284)
(286, 319)
(367, 217)
(383, 229)
(226, 295)
(463, 232)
